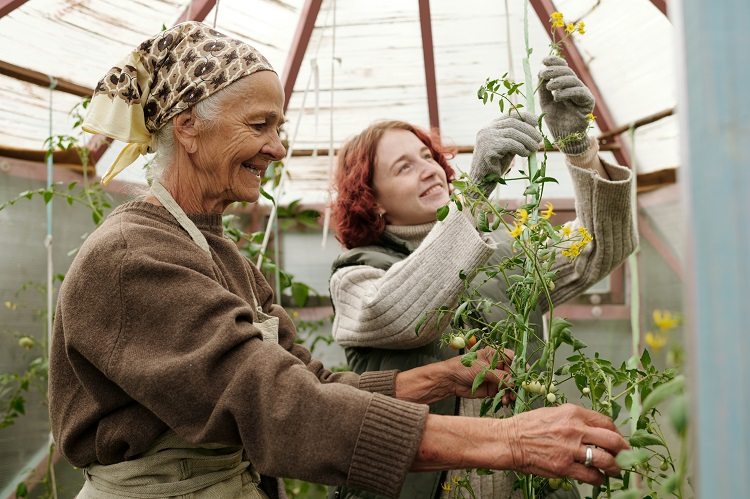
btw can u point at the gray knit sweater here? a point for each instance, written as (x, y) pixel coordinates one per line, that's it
(152, 334)
(376, 308)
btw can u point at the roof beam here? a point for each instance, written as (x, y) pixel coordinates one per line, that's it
(544, 10)
(8, 6)
(197, 10)
(661, 5)
(43, 80)
(425, 23)
(308, 15)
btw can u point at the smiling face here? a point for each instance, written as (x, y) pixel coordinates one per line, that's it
(230, 155)
(409, 184)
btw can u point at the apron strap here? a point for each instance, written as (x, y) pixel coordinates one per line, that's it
(166, 199)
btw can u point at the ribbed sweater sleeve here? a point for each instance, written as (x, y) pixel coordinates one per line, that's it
(381, 309)
(603, 206)
(151, 334)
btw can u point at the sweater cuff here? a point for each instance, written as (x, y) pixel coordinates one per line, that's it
(388, 442)
(382, 382)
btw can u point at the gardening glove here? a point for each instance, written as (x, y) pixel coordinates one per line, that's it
(566, 104)
(498, 143)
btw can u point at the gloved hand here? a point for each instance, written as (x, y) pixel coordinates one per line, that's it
(566, 104)
(498, 143)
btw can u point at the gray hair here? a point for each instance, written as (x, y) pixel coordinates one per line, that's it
(207, 112)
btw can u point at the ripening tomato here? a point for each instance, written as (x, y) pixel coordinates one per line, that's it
(457, 342)
(471, 341)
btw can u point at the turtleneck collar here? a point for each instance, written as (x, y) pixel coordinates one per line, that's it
(412, 235)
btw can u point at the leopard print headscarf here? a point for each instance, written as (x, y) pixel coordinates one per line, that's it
(163, 77)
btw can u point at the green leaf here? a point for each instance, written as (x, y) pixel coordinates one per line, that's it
(501, 103)
(267, 195)
(420, 323)
(645, 359)
(548, 179)
(662, 392)
(631, 457)
(48, 195)
(483, 224)
(679, 414)
(442, 212)
(468, 358)
(458, 314)
(642, 438)
(300, 293)
(479, 379)
(22, 490)
(69, 199)
(459, 206)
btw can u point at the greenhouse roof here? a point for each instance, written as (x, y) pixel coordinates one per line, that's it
(417, 60)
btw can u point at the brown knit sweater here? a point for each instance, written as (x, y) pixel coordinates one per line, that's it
(151, 334)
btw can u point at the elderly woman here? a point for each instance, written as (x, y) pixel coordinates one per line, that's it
(173, 373)
(392, 178)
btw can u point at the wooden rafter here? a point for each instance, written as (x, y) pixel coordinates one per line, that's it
(661, 5)
(196, 11)
(425, 23)
(307, 18)
(8, 6)
(43, 80)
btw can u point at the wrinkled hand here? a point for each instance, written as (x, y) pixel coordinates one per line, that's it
(551, 442)
(494, 381)
(566, 104)
(498, 143)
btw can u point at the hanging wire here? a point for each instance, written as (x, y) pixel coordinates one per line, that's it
(216, 13)
(633, 271)
(50, 262)
(279, 190)
(513, 98)
(331, 155)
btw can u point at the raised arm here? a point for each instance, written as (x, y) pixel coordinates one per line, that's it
(378, 308)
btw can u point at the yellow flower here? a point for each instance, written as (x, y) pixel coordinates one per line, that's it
(522, 216)
(655, 341)
(591, 117)
(517, 230)
(581, 27)
(664, 320)
(585, 236)
(546, 214)
(566, 230)
(456, 480)
(574, 250)
(557, 20)
(570, 27)
(446, 486)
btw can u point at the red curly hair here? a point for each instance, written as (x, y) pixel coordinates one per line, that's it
(355, 210)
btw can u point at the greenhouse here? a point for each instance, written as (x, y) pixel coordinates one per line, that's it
(355, 249)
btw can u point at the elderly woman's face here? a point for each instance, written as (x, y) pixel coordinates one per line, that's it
(232, 154)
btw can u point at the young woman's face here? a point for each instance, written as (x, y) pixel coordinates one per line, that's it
(409, 184)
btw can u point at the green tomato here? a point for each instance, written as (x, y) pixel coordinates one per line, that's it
(586, 390)
(457, 342)
(551, 397)
(566, 485)
(664, 465)
(26, 342)
(554, 483)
